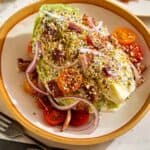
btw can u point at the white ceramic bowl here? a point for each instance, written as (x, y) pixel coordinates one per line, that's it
(16, 33)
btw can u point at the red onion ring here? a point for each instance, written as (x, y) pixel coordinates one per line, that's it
(95, 121)
(67, 120)
(77, 100)
(32, 65)
(84, 62)
(85, 101)
(57, 106)
(34, 87)
(31, 68)
(42, 103)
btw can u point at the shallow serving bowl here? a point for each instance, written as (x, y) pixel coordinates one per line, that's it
(14, 36)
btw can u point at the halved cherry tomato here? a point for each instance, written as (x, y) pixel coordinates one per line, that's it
(135, 52)
(79, 117)
(69, 80)
(28, 88)
(124, 35)
(54, 117)
(30, 54)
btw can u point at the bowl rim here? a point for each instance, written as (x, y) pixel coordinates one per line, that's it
(137, 14)
(33, 8)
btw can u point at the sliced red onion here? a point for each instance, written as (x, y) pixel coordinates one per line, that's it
(109, 72)
(32, 65)
(77, 100)
(34, 87)
(67, 120)
(87, 50)
(93, 108)
(42, 103)
(57, 106)
(31, 68)
(84, 62)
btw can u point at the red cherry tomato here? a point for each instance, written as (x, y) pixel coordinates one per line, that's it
(124, 35)
(79, 117)
(135, 52)
(54, 117)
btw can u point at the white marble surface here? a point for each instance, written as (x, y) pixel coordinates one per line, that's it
(136, 139)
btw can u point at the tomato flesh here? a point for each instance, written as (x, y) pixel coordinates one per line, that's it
(124, 35)
(135, 52)
(79, 117)
(54, 117)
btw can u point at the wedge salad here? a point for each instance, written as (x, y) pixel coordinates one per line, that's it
(77, 68)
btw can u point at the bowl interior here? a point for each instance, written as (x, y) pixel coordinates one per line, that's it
(15, 47)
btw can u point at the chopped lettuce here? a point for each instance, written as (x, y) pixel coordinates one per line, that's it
(104, 104)
(115, 90)
(65, 102)
(58, 9)
(112, 105)
(45, 72)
